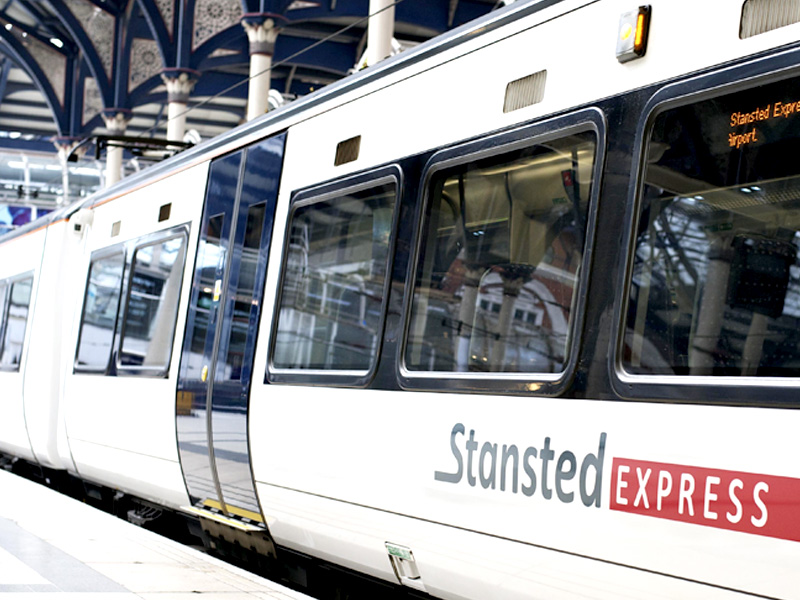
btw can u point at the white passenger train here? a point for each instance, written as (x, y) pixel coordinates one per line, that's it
(514, 314)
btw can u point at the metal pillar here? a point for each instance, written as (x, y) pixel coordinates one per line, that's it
(261, 33)
(65, 147)
(180, 83)
(116, 120)
(380, 30)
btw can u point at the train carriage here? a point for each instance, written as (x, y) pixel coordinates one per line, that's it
(512, 314)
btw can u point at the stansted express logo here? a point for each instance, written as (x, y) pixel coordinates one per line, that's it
(739, 501)
(510, 469)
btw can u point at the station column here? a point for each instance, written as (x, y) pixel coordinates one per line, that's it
(380, 30)
(116, 120)
(261, 33)
(180, 83)
(65, 146)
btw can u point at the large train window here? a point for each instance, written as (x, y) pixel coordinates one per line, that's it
(100, 310)
(15, 302)
(152, 305)
(334, 281)
(504, 235)
(715, 282)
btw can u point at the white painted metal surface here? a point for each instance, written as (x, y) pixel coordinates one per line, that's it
(342, 472)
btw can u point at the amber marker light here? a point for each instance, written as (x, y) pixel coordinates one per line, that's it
(641, 31)
(633, 29)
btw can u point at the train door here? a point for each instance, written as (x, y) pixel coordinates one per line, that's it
(218, 349)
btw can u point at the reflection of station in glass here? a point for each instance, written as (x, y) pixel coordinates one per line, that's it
(332, 294)
(716, 276)
(509, 234)
(219, 343)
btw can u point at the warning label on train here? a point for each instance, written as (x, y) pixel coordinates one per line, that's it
(738, 501)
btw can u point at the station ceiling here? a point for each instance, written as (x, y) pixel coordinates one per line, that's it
(63, 62)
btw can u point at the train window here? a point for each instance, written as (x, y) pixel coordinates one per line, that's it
(501, 260)
(210, 257)
(100, 309)
(245, 295)
(715, 282)
(334, 281)
(16, 319)
(151, 308)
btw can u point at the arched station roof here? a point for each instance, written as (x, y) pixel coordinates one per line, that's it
(64, 62)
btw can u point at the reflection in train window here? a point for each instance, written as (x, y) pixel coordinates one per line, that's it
(333, 283)
(16, 319)
(210, 259)
(715, 284)
(152, 304)
(497, 274)
(245, 293)
(3, 299)
(99, 318)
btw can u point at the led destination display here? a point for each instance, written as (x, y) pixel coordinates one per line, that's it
(749, 121)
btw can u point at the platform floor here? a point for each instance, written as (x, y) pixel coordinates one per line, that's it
(55, 548)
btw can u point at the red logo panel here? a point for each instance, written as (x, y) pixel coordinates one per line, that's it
(761, 504)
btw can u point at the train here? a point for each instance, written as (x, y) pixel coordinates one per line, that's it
(512, 314)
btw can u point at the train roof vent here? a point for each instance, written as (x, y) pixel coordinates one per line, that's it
(760, 16)
(347, 151)
(525, 91)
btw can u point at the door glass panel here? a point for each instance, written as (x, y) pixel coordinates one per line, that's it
(231, 367)
(153, 304)
(16, 321)
(247, 271)
(194, 416)
(216, 364)
(209, 257)
(100, 308)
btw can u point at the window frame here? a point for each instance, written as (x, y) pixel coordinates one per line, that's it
(9, 283)
(747, 390)
(520, 383)
(182, 231)
(128, 250)
(388, 175)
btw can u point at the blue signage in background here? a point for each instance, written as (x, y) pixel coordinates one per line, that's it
(12, 217)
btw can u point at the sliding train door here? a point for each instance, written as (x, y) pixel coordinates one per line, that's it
(219, 345)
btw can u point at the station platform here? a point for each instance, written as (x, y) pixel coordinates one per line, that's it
(55, 548)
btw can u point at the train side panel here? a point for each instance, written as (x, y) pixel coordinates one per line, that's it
(20, 262)
(361, 472)
(519, 486)
(121, 426)
(342, 473)
(57, 301)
